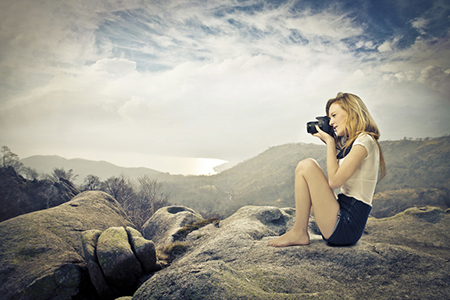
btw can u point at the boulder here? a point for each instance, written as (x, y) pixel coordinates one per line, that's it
(41, 254)
(98, 279)
(144, 250)
(117, 259)
(234, 261)
(166, 221)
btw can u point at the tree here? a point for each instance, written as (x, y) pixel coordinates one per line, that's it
(59, 174)
(91, 183)
(63, 188)
(30, 174)
(120, 188)
(10, 159)
(150, 198)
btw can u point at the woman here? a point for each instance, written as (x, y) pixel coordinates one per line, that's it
(341, 220)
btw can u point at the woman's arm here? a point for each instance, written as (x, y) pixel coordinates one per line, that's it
(338, 175)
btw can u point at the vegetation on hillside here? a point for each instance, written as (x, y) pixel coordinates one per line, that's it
(21, 194)
(268, 179)
(414, 167)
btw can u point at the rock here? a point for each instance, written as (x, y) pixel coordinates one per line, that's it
(166, 221)
(235, 262)
(424, 229)
(98, 279)
(144, 250)
(41, 254)
(117, 259)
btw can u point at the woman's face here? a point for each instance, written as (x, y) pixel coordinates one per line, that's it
(337, 119)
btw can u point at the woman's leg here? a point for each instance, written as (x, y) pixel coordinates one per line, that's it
(311, 189)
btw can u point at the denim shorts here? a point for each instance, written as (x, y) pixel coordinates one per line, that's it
(350, 223)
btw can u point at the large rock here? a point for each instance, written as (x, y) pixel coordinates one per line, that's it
(425, 229)
(235, 262)
(98, 279)
(117, 260)
(144, 250)
(166, 221)
(41, 255)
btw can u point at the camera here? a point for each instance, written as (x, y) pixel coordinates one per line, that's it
(323, 123)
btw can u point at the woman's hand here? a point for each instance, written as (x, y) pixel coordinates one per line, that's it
(325, 137)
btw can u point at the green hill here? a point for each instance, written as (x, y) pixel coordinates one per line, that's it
(268, 179)
(414, 167)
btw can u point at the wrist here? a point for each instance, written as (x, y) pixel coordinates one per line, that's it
(330, 141)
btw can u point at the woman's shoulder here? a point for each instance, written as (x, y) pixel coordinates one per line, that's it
(365, 140)
(365, 137)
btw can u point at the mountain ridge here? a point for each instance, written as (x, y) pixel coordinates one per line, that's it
(84, 167)
(268, 178)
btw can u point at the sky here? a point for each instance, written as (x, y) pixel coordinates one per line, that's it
(183, 86)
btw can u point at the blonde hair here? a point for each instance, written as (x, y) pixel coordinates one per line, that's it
(358, 121)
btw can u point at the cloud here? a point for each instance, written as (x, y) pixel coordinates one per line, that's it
(420, 24)
(325, 24)
(215, 79)
(389, 46)
(116, 67)
(436, 78)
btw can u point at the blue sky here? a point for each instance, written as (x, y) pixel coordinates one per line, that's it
(173, 85)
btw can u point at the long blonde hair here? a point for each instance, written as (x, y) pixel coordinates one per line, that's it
(358, 121)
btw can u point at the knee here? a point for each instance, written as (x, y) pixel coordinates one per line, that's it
(306, 165)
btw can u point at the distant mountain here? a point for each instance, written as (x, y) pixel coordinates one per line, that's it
(83, 167)
(268, 178)
(423, 163)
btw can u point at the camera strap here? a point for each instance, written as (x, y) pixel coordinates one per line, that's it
(343, 153)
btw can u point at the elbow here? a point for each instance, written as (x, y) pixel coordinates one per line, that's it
(334, 184)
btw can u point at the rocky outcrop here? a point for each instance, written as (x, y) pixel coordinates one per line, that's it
(165, 223)
(116, 259)
(424, 229)
(41, 253)
(86, 249)
(20, 196)
(233, 261)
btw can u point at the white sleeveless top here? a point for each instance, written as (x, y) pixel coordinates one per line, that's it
(361, 185)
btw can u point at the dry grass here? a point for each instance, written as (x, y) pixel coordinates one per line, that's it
(184, 231)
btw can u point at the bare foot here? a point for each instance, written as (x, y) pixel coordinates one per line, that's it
(290, 238)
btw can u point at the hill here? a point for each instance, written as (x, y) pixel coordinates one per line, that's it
(416, 163)
(83, 167)
(416, 167)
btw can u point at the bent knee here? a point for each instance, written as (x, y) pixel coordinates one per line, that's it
(306, 164)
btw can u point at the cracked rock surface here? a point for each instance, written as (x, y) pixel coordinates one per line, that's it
(41, 253)
(406, 256)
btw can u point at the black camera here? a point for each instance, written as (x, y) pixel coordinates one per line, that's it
(323, 123)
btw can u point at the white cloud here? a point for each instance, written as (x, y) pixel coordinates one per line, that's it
(181, 79)
(420, 24)
(389, 45)
(326, 24)
(436, 78)
(116, 67)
